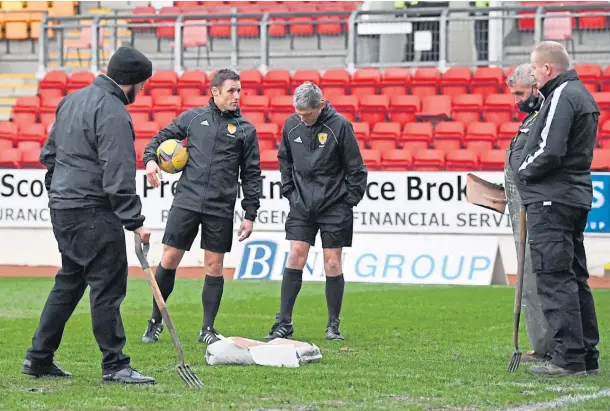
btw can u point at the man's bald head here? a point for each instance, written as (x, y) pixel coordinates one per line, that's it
(549, 60)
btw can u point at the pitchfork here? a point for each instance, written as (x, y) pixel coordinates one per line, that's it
(516, 358)
(185, 372)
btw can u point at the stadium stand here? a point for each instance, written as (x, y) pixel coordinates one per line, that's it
(423, 128)
(404, 118)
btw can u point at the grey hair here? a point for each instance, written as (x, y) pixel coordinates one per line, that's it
(307, 96)
(523, 73)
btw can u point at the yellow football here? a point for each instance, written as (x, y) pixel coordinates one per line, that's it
(172, 156)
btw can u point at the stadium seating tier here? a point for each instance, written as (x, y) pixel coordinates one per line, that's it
(419, 119)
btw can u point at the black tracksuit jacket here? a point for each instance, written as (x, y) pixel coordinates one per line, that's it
(321, 165)
(555, 164)
(90, 155)
(221, 146)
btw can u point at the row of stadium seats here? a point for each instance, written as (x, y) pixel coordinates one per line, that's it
(383, 136)
(20, 20)
(27, 154)
(423, 81)
(295, 26)
(582, 22)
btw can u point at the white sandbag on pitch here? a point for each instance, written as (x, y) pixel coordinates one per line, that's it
(276, 353)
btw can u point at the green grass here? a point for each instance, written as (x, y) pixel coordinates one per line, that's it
(407, 347)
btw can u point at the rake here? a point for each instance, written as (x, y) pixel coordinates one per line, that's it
(516, 358)
(184, 370)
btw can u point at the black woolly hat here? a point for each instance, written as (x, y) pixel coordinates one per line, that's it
(128, 66)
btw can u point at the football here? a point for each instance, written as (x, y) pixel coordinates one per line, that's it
(172, 156)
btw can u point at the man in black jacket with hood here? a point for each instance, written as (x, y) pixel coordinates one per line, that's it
(554, 173)
(323, 178)
(91, 181)
(222, 145)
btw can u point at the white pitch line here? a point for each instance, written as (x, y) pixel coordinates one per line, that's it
(560, 402)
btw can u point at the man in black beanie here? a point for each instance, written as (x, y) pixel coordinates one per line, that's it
(91, 163)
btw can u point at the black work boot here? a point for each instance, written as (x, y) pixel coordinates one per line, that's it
(552, 370)
(280, 329)
(153, 331)
(332, 330)
(208, 336)
(37, 369)
(127, 376)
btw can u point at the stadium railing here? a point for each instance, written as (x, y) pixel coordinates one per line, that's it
(506, 39)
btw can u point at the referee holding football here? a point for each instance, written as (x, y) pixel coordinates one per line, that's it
(91, 181)
(222, 145)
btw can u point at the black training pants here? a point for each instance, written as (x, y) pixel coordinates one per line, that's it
(558, 259)
(92, 246)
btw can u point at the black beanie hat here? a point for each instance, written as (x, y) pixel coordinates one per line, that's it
(128, 66)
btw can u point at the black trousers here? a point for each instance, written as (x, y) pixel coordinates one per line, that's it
(559, 261)
(92, 246)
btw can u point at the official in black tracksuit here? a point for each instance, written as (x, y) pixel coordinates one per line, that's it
(555, 186)
(91, 181)
(222, 146)
(323, 178)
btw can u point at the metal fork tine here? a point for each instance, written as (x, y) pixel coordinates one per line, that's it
(188, 376)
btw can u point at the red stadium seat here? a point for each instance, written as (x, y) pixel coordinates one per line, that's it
(162, 83)
(268, 131)
(280, 108)
(590, 75)
(146, 130)
(456, 81)
(8, 130)
(189, 102)
(506, 133)
(499, 108)
(372, 159)
(448, 135)
(79, 79)
(335, 82)
(461, 160)
(5, 144)
(396, 160)
(435, 108)
(10, 158)
(601, 160)
(384, 136)
(487, 80)
(365, 82)
(57, 79)
(362, 131)
(32, 132)
(27, 104)
(480, 136)
(254, 108)
(301, 76)
(428, 160)
(425, 81)
(269, 160)
(49, 105)
(251, 82)
(394, 81)
(192, 83)
(417, 132)
(142, 104)
(403, 109)
(374, 109)
(30, 156)
(467, 108)
(346, 105)
(492, 160)
(276, 83)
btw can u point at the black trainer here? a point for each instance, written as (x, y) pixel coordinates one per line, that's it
(153, 331)
(332, 330)
(280, 329)
(127, 376)
(208, 336)
(36, 369)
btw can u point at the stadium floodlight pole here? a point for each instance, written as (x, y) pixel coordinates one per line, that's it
(184, 370)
